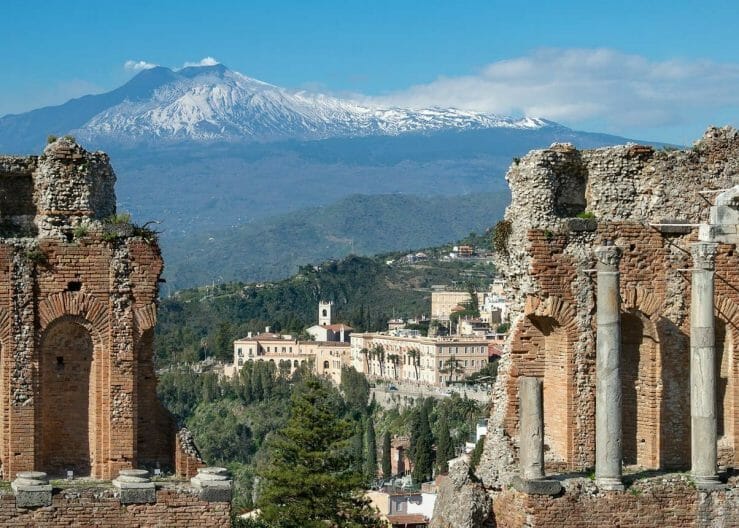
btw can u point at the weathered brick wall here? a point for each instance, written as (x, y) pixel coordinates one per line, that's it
(654, 502)
(77, 310)
(100, 507)
(549, 265)
(549, 271)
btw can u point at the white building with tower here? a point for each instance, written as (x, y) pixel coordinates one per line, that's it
(326, 329)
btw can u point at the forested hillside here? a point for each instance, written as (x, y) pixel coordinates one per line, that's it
(275, 247)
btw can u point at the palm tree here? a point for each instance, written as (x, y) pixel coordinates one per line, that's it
(365, 352)
(452, 366)
(415, 356)
(379, 352)
(394, 359)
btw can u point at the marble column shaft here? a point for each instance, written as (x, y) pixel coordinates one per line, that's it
(531, 436)
(703, 365)
(608, 394)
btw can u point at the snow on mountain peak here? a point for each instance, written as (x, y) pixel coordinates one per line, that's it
(209, 102)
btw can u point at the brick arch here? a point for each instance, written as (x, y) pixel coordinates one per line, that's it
(547, 339)
(145, 318)
(642, 300)
(92, 313)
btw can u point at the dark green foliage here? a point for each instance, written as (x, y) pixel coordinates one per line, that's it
(387, 468)
(477, 454)
(370, 451)
(486, 374)
(586, 214)
(228, 438)
(51, 138)
(308, 479)
(501, 234)
(444, 446)
(355, 388)
(422, 448)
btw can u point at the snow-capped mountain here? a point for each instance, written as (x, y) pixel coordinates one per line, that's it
(213, 103)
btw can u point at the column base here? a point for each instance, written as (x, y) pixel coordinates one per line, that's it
(536, 487)
(609, 484)
(707, 482)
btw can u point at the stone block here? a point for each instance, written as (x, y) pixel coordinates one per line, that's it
(213, 484)
(537, 487)
(31, 489)
(135, 487)
(578, 225)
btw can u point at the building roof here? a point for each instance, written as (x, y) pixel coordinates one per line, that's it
(337, 327)
(406, 519)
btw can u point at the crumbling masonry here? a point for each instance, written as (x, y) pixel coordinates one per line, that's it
(78, 297)
(631, 323)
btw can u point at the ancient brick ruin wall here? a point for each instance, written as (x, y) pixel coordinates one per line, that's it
(77, 311)
(101, 507)
(671, 501)
(550, 253)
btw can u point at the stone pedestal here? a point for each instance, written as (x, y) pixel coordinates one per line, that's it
(608, 428)
(703, 367)
(213, 484)
(531, 440)
(31, 489)
(135, 487)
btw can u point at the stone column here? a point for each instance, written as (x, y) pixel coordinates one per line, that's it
(608, 433)
(703, 366)
(531, 440)
(531, 435)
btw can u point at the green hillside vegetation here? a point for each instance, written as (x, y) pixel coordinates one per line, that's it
(275, 247)
(204, 321)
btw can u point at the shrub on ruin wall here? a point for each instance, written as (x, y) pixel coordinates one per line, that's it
(501, 234)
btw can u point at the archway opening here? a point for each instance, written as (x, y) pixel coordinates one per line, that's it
(552, 349)
(640, 386)
(66, 398)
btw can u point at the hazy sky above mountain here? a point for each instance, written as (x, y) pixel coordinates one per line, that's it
(655, 70)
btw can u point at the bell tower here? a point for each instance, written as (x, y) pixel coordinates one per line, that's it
(324, 312)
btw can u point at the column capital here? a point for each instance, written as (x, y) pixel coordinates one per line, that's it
(608, 257)
(704, 255)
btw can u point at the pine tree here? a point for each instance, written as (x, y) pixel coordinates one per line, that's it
(423, 451)
(308, 481)
(370, 450)
(387, 467)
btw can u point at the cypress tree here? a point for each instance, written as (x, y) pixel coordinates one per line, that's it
(444, 446)
(387, 467)
(423, 451)
(370, 447)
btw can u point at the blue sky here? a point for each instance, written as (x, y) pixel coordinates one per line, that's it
(649, 69)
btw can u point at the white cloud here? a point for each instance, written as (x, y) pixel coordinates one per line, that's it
(585, 85)
(132, 65)
(207, 61)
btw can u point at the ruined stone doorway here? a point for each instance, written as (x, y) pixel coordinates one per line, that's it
(67, 396)
(640, 385)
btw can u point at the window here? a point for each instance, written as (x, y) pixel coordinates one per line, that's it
(240, 352)
(241, 361)
(283, 350)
